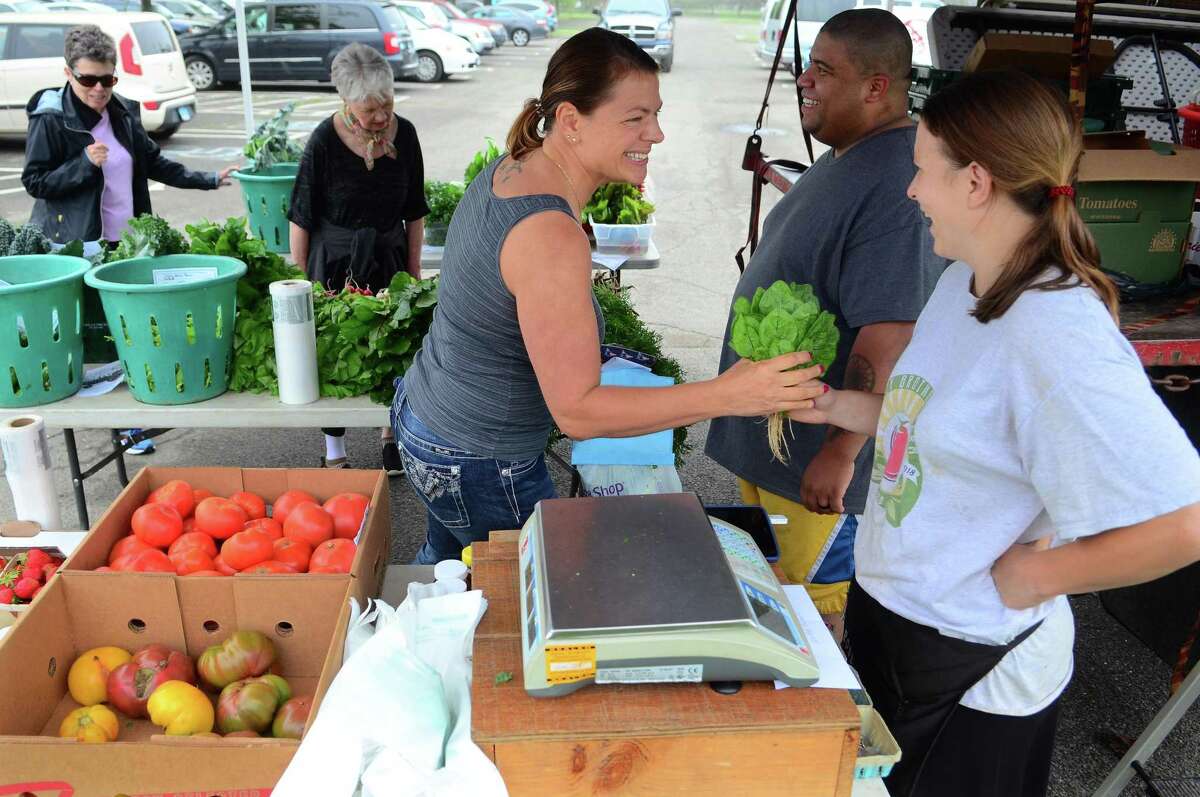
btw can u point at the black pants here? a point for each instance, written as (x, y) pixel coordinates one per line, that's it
(916, 677)
(339, 431)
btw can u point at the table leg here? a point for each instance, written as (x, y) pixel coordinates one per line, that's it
(76, 478)
(119, 450)
(1162, 724)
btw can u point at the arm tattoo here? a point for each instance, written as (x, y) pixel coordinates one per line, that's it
(860, 375)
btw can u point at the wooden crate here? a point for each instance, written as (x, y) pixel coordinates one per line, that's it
(646, 739)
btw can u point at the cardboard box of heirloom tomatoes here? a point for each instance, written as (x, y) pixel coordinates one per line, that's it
(331, 543)
(71, 654)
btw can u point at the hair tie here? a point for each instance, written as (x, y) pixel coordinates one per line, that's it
(1061, 190)
(537, 106)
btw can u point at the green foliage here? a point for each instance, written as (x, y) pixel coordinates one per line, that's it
(29, 240)
(442, 197)
(148, 236)
(364, 341)
(270, 143)
(481, 161)
(7, 233)
(253, 333)
(784, 318)
(623, 327)
(617, 203)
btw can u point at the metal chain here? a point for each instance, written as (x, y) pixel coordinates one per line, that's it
(1176, 383)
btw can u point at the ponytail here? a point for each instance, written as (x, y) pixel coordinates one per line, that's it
(524, 136)
(1025, 135)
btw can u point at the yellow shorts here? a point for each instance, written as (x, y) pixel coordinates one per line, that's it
(814, 550)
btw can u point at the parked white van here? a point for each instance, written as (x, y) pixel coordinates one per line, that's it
(812, 14)
(150, 68)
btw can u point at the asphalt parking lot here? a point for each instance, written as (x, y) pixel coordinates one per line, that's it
(711, 99)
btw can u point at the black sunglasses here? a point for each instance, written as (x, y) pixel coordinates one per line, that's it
(88, 81)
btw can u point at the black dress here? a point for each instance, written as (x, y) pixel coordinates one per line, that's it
(356, 219)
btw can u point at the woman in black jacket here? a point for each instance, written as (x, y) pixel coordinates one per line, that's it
(87, 156)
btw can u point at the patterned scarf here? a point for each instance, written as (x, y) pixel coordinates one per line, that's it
(369, 138)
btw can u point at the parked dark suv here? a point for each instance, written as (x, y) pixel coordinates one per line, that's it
(290, 40)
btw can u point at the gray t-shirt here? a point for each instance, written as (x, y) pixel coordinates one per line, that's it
(848, 229)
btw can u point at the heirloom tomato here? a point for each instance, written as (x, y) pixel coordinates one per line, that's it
(246, 705)
(289, 721)
(245, 654)
(91, 724)
(87, 680)
(180, 709)
(131, 685)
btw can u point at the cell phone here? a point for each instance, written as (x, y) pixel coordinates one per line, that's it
(753, 520)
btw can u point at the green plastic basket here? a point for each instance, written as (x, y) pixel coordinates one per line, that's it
(174, 338)
(41, 315)
(268, 194)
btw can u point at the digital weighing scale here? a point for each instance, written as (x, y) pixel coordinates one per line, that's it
(649, 589)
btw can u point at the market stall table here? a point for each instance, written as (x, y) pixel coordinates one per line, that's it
(645, 738)
(431, 257)
(119, 410)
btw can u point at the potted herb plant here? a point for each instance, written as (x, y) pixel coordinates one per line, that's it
(621, 219)
(442, 198)
(268, 179)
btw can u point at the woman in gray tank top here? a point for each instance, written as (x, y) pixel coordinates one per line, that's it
(515, 342)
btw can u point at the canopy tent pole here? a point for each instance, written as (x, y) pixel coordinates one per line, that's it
(239, 10)
(1080, 49)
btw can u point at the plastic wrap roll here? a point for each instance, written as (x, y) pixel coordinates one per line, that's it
(295, 341)
(27, 468)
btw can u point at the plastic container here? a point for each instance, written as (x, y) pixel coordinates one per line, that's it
(172, 318)
(877, 740)
(268, 194)
(41, 325)
(623, 239)
(1190, 114)
(435, 234)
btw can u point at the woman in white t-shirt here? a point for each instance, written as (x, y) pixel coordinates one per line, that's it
(1021, 455)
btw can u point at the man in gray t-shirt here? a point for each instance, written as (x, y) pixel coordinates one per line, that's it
(848, 229)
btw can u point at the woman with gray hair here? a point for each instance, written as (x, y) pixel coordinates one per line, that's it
(88, 159)
(358, 206)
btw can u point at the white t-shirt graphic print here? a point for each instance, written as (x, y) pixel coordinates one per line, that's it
(1038, 424)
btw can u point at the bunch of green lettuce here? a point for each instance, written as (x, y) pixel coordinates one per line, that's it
(784, 318)
(481, 160)
(617, 203)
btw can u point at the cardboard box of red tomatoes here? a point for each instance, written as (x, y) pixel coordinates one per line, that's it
(184, 601)
(201, 524)
(84, 627)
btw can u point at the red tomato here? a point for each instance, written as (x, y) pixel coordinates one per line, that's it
(223, 568)
(195, 539)
(152, 561)
(178, 494)
(284, 504)
(157, 525)
(189, 560)
(121, 563)
(254, 505)
(206, 573)
(310, 523)
(246, 549)
(126, 546)
(189, 524)
(337, 553)
(265, 524)
(293, 553)
(200, 493)
(268, 568)
(219, 518)
(348, 510)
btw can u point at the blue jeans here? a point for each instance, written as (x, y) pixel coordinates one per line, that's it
(466, 495)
